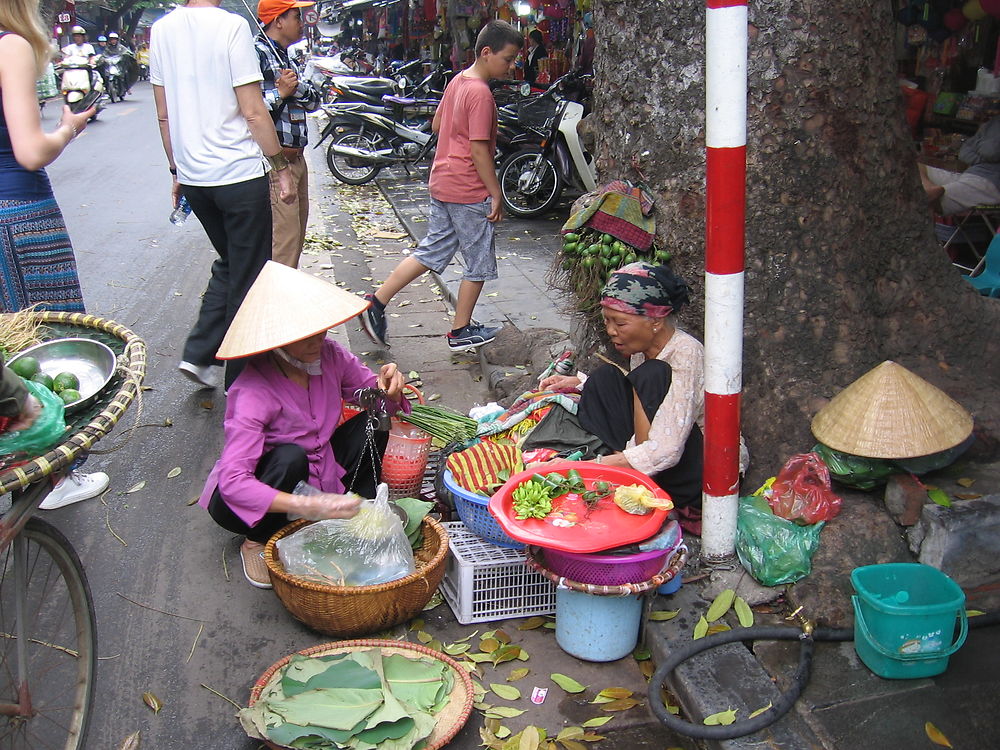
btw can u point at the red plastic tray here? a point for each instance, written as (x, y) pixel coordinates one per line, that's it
(604, 527)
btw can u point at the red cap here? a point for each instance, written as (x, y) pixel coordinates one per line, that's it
(268, 10)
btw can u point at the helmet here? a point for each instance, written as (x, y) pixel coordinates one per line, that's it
(78, 30)
(113, 35)
(102, 38)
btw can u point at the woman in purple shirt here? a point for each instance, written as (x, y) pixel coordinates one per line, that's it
(283, 412)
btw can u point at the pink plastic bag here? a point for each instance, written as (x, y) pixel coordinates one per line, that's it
(801, 492)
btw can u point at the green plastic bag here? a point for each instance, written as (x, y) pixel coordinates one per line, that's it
(774, 550)
(44, 432)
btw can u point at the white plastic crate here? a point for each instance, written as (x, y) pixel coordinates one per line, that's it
(484, 582)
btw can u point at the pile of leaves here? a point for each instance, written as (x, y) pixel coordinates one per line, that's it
(362, 699)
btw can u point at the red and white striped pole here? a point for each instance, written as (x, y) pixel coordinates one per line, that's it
(725, 214)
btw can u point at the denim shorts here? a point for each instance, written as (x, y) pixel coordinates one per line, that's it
(460, 226)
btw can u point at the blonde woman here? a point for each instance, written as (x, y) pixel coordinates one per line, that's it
(37, 265)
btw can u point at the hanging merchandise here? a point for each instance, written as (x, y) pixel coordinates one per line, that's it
(973, 10)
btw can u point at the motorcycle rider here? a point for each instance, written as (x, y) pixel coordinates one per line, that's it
(115, 48)
(80, 46)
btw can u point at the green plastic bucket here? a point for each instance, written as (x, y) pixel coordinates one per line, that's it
(904, 619)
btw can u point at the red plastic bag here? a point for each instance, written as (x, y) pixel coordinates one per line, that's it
(802, 493)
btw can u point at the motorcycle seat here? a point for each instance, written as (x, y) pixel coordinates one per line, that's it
(377, 88)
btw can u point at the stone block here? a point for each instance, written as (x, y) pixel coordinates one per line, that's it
(962, 541)
(905, 498)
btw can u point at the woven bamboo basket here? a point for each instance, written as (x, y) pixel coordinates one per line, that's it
(449, 720)
(347, 611)
(90, 427)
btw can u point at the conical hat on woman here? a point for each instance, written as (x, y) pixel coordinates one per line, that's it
(286, 305)
(889, 412)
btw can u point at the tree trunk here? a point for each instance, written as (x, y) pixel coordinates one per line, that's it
(843, 268)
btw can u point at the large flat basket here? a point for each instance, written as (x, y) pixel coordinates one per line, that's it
(91, 424)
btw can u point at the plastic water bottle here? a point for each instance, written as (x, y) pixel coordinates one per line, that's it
(180, 214)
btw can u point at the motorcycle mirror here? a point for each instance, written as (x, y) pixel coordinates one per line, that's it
(403, 82)
(525, 89)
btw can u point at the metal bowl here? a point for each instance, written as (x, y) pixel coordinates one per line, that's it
(91, 361)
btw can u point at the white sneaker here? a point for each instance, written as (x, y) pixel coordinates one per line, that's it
(75, 487)
(204, 375)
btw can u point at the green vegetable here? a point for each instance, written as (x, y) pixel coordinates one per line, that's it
(443, 424)
(41, 377)
(607, 239)
(26, 367)
(65, 380)
(571, 237)
(532, 500)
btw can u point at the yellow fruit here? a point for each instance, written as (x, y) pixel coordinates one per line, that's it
(639, 500)
(629, 497)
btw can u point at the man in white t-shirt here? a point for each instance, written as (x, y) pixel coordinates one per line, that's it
(80, 46)
(220, 141)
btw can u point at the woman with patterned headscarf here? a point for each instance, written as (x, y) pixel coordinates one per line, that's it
(650, 419)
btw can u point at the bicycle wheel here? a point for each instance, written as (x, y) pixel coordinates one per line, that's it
(59, 645)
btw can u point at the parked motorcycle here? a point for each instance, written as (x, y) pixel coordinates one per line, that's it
(544, 154)
(77, 78)
(363, 142)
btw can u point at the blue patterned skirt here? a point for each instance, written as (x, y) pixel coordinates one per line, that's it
(37, 265)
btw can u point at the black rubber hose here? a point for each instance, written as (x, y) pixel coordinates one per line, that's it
(787, 699)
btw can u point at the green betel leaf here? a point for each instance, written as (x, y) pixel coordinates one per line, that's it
(701, 628)
(344, 674)
(567, 683)
(723, 602)
(414, 681)
(723, 718)
(507, 692)
(333, 708)
(288, 734)
(743, 612)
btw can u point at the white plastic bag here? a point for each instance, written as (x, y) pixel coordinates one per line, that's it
(369, 549)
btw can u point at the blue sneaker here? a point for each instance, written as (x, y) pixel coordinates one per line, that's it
(373, 321)
(471, 337)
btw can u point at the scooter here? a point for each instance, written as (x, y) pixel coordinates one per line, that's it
(77, 79)
(363, 142)
(547, 157)
(117, 69)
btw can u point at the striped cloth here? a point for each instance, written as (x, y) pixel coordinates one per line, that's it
(478, 467)
(37, 266)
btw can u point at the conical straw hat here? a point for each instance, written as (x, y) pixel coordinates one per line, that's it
(891, 413)
(286, 305)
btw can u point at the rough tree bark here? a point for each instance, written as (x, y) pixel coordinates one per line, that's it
(843, 269)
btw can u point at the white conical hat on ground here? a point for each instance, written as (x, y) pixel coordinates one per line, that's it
(286, 305)
(891, 413)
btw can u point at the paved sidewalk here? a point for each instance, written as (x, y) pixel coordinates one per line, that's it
(522, 295)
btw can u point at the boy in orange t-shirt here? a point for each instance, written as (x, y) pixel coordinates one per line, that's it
(465, 194)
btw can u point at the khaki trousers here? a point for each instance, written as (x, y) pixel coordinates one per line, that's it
(289, 220)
